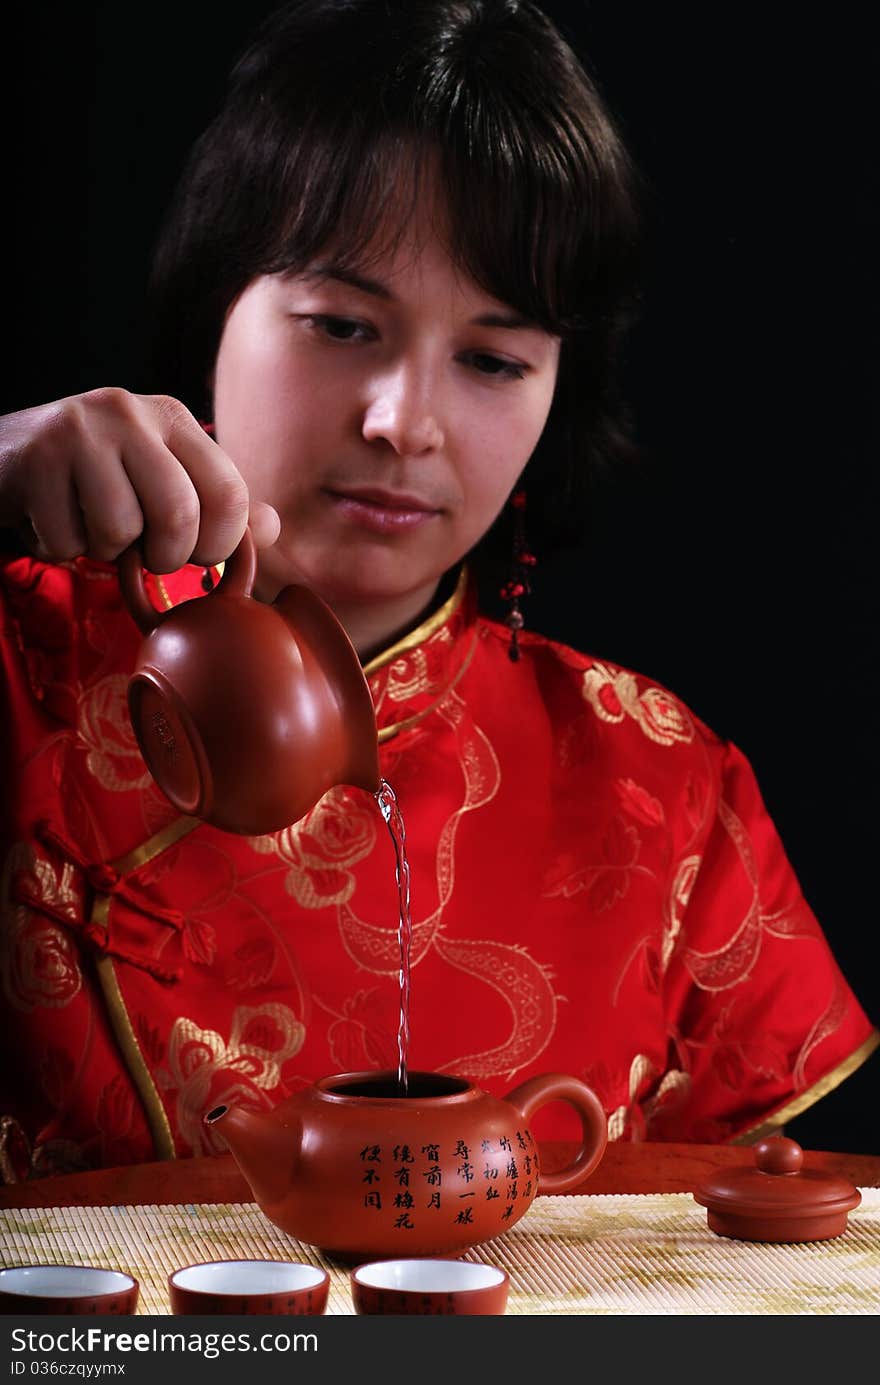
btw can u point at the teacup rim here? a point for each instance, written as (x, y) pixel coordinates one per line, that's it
(319, 1270)
(129, 1281)
(502, 1277)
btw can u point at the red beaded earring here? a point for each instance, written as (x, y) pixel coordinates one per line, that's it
(518, 585)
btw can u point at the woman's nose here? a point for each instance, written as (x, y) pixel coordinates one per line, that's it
(400, 412)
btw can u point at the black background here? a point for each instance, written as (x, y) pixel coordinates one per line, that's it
(737, 563)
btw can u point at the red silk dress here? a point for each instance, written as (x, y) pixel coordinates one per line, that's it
(597, 889)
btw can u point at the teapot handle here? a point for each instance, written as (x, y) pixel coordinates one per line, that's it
(131, 580)
(240, 568)
(239, 573)
(555, 1086)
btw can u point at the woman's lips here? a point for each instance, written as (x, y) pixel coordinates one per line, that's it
(383, 513)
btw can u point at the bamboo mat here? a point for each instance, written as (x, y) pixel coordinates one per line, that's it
(600, 1254)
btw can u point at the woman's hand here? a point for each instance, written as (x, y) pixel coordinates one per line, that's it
(92, 473)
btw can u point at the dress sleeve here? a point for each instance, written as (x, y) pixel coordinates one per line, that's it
(761, 1020)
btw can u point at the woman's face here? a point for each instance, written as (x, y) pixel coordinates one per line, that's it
(386, 415)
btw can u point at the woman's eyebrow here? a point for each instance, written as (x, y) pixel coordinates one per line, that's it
(350, 277)
(510, 320)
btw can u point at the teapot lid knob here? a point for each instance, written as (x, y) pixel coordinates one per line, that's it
(778, 1154)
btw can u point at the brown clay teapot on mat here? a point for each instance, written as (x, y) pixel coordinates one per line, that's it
(351, 1166)
(246, 713)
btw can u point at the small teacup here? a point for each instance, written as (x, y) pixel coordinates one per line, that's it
(428, 1286)
(249, 1286)
(66, 1289)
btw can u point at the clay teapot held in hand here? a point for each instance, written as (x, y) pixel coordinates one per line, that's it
(247, 713)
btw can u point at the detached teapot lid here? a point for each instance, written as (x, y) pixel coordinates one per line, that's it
(778, 1199)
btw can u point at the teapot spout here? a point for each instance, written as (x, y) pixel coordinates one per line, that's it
(265, 1146)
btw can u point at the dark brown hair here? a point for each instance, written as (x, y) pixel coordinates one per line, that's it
(335, 111)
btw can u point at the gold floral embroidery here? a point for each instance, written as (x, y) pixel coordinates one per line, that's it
(419, 671)
(409, 676)
(606, 881)
(576, 741)
(676, 904)
(204, 1071)
(38, 959)
(439, 689)
(672, 1092)
(639, 804)
(408, 680)
(322, 847)
(614, 694)
(104, 728)
(638, 1114)
(364, 1035)
(641, 1070)
(739, 1050)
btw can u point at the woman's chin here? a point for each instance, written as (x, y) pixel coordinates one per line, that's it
(339, 593)
(341, 578)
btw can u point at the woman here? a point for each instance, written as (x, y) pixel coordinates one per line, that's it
(392, 288)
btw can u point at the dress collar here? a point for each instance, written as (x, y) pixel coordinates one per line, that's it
(408, 679)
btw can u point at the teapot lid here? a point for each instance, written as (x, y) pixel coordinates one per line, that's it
(777, 1199)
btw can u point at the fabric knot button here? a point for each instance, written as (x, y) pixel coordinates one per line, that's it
(103, 878)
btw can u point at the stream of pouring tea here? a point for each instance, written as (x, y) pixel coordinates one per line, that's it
(388, 806)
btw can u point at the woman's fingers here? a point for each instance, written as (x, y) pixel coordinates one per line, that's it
(166, 497)
(220, 491)
(56, 522)
(109, 509)
(37, 495)
(265, 523)
(93, 473)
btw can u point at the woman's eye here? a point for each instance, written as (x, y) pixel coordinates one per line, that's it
(341, 328)
(497, 366)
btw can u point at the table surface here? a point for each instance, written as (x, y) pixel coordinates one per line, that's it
(625, 1168)
(637, 1243)
(603, 1253)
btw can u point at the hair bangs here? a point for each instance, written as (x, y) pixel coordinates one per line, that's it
(371, 186)
(515, 228)
(509, 225)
